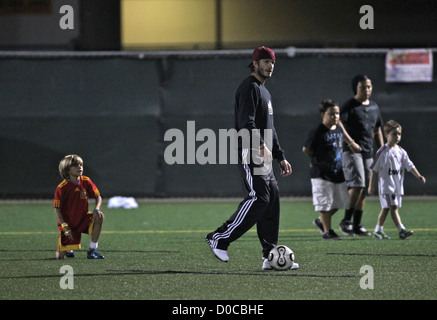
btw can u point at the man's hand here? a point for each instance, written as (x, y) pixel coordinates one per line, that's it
(285, 168)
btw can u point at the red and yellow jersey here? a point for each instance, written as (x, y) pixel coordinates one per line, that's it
(72, 199)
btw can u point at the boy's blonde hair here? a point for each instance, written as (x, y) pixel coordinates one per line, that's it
(69, 161)
(390, 126)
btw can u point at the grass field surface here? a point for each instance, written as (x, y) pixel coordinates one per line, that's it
(158, 252)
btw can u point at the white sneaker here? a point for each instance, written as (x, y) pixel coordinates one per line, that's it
(220, 254)
(267, 266)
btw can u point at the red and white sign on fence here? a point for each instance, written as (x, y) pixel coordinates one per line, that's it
(412, 65)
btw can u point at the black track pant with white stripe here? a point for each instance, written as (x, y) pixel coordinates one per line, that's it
(260, 206)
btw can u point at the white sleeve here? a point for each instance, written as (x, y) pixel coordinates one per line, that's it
(406, 162)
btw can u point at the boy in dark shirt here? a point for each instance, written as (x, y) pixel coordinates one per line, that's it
(323, 146)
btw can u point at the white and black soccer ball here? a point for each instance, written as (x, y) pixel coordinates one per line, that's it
(281, 258)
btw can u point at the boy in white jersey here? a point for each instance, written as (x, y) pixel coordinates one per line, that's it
(390, 164)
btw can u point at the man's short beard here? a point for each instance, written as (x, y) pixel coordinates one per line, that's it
(261, 75)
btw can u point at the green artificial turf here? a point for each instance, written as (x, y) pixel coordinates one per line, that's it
(158, 252)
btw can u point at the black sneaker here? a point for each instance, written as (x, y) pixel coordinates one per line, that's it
(318, 224)
(70, 254)
(404, 233)
(331, 235)
(93, 254)
(361, 231)
(346, 228)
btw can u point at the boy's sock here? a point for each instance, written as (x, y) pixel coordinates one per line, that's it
(400, 227)
(358, 214)
(348, 214)
(378, 228)
(93, 245)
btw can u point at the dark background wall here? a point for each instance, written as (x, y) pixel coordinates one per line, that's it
(114, 107)
(114, 112)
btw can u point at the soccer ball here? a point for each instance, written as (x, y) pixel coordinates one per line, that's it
(281, 258)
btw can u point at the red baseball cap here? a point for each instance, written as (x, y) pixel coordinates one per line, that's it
(263, 53)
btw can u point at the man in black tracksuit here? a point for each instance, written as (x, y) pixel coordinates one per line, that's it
(257, 147)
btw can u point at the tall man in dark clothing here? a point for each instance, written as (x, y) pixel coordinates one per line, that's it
(254, 118)
(362, 120)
